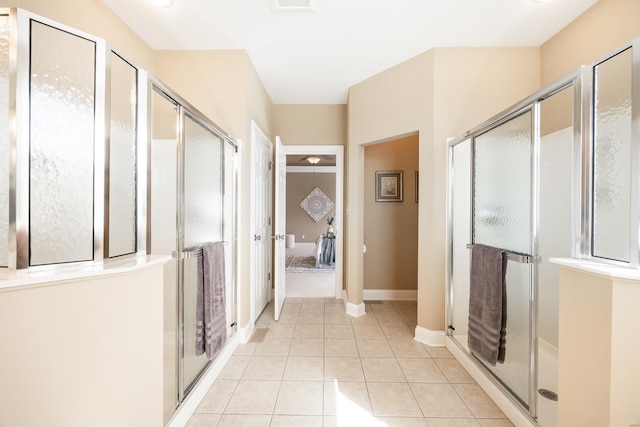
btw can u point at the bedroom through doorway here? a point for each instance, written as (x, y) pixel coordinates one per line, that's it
(313, 240)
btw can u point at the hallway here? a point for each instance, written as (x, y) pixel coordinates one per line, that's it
(317, 366)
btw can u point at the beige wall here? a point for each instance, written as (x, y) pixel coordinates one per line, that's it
(212, 81)
(439, 94)
(386, 106)
(311, 124)
(92, 17)
(604, 27)
(299, 185)
(391, 228)
(258, 103)
(84, 352)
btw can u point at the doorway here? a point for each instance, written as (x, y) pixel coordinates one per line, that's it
(261, 204)
(314, 192)
(390, 219)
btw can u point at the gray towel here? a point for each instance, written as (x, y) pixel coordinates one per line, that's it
(488, 304)
(211, 317)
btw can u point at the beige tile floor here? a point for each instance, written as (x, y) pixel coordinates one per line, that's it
(317, 366)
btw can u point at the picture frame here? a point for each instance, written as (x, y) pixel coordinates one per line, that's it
(417, 184)
(388, 186)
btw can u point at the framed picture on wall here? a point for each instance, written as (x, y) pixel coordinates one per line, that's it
(417, 183)
(388, 186)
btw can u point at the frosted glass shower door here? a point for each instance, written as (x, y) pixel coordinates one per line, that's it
(202, 222)
(502, 218)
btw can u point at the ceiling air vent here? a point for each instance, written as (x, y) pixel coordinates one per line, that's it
(292, 5)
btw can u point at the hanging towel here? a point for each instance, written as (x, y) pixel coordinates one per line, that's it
(488, 304)
(211, 317)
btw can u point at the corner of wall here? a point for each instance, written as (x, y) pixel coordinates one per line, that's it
(429, 337)
(355, 310)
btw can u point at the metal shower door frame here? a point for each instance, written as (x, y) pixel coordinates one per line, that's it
(581, 113)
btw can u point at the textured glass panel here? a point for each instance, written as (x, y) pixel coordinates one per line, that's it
(502, 189)
(461, 229)
(163, 163)
(203, 195)
(163, 219)
(612, 157)
(514, 372)
(203, 185)
(4, 139)
(502, 218)
(556, 158)
(193, 364)
(61, 158)
(229, 195)
(229, 171)
(122, 170)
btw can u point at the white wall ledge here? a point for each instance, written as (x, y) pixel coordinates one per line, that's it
(598, 269)
(62, 273)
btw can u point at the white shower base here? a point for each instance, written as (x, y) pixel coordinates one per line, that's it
(547, 379)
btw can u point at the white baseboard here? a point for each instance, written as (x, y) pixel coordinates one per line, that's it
(191, 402)
(429, 337)
(246, 331)
(355, 310)
(390, 295)
(506, 405)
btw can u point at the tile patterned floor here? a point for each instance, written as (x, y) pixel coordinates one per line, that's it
(317, 366)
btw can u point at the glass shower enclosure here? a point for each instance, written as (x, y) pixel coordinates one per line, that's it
(500, 174)
(192, 199)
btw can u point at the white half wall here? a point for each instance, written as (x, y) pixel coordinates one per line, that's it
(83, 352)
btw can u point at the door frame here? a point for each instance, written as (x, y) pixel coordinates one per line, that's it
(338, 151)
(279, 227)
(256, 130)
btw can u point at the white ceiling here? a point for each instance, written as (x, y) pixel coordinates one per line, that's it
(312, 57)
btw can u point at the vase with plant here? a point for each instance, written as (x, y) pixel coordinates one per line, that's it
(330, 220)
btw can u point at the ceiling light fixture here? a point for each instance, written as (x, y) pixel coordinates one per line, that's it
(313, 159)
(161, 3)
(292, 5)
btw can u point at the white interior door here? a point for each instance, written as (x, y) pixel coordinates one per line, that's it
(262, 150)
(280, 226)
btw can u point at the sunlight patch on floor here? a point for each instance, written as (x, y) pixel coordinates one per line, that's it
(349, 414)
